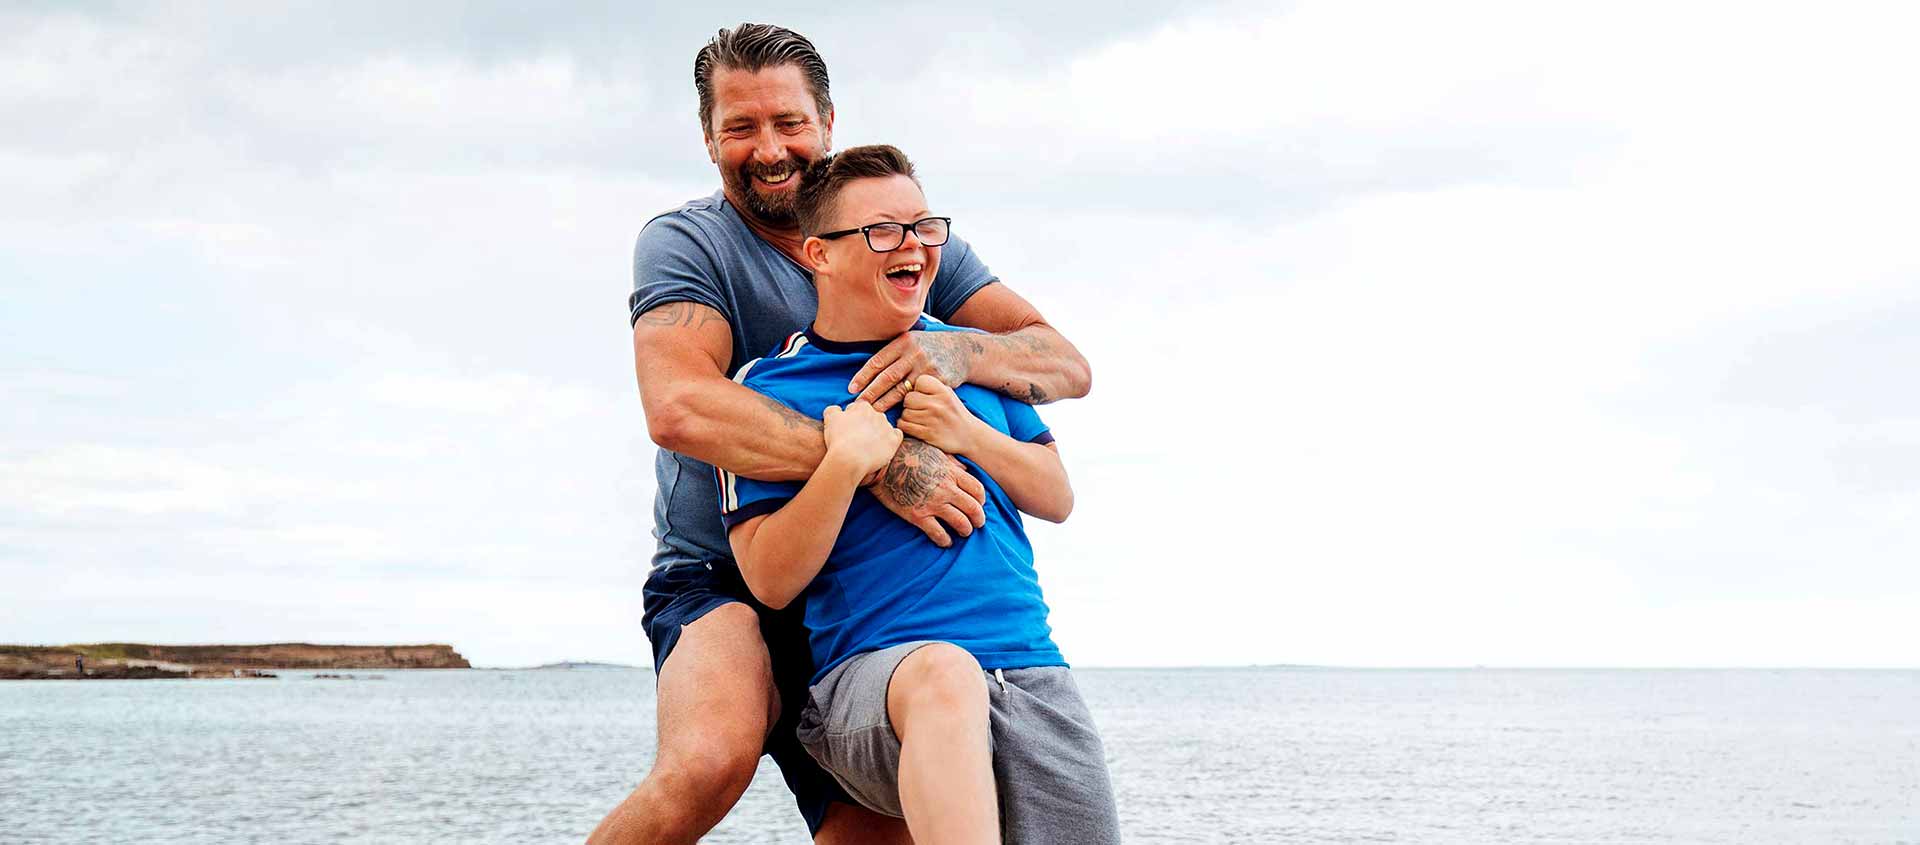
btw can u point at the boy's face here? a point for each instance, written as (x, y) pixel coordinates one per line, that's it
(887, 291)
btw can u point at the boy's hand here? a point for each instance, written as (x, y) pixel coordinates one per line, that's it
(860, 438)
(934, 414)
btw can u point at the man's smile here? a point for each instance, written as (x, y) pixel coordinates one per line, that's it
(776, 176)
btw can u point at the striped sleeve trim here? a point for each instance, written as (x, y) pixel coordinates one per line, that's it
(729, 488)
(795, 342)
(729, 494)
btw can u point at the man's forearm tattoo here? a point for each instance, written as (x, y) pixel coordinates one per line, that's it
(914, 473)
(681, 314)
(792, 418)
(1028, 341)
(1024, 342)
(953, 356)
(1032, 394)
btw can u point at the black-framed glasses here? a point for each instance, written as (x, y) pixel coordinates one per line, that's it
(887, 237)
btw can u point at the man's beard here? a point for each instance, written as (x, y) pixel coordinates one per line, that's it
(778, 209)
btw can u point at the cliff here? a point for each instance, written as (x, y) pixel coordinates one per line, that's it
(123, 660)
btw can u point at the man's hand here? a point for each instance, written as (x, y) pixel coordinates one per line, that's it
(927, 487)
(933, 413)
(947, 356)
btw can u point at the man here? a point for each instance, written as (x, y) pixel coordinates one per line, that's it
(902, 710)
(716, 283)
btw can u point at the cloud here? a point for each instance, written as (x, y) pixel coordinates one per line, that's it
(136, 482)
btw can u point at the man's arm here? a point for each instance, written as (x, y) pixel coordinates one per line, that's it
(680, 355)
(1023, 357)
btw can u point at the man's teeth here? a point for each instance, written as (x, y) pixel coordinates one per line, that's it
(777, 179)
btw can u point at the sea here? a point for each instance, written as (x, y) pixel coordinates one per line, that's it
(1256, 755)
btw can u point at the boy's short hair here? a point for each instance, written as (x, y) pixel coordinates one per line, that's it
(824, 181)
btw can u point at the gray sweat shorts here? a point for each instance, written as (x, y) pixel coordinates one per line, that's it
(1048, 763)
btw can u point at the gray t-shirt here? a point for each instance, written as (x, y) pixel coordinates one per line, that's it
(703, 252)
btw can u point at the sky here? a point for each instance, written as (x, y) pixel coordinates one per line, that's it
(1422, 334)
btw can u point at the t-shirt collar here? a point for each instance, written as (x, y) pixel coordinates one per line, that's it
(845, 346)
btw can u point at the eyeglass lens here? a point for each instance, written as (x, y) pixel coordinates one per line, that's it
(887, 237)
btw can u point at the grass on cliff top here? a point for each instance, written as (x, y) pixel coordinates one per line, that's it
(33, 651)
(97, 651)
(111, 651)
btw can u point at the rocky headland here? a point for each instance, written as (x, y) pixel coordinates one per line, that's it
(139, 660)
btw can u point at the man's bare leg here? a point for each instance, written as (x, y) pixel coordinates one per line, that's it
(847, 824)
(716, 703)
(937, 702)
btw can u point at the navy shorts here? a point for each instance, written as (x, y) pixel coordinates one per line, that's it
(677, 595)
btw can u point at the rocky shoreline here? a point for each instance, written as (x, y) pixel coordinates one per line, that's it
(119, 661)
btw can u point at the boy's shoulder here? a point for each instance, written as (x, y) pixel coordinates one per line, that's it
(802, 361)
(797, 372)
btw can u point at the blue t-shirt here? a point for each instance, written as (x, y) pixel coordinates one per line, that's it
(703, 252)
(885, 583)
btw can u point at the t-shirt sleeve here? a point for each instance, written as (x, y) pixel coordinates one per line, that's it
(1023, 422)
(962, 274)
(672, 263)
(743, 498)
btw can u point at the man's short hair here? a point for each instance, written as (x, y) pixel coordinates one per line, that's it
(752, 47)
(823, 182)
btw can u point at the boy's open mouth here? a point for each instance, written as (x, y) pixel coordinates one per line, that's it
(905, 275)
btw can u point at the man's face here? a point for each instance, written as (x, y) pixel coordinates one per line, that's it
(888, 290)
(765, 130)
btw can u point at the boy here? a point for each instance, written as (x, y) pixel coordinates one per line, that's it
(937, 680)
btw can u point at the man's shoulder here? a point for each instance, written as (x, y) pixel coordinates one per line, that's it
(705, 218)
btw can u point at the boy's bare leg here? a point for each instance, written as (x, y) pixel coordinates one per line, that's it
(716, 701)
(937, 702)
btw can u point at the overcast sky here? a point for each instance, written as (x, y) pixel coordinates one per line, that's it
(1423, 334)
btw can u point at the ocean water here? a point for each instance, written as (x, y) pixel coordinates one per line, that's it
(1198, 755)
